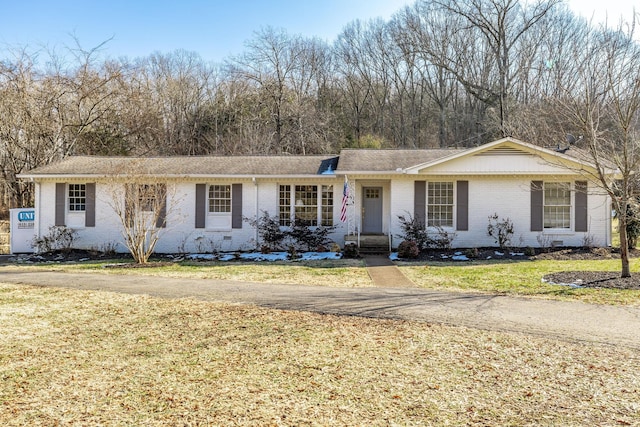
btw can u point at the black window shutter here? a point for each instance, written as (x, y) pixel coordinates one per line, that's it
(236, 206)
(201, 201)
(90, 205)
(581, 206)
(536, 206)
(420, 201)
(61, 205)
(462, 206)
(161, 194)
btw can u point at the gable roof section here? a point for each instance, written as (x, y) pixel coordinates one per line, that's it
(350, 161)
(389, 161)
(187, 166)
(513, 147)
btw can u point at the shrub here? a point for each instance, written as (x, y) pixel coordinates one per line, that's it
(414, 230)
(309, 238)
(443, 239)
(292, 253)
(408, 249)
(501, 231)
(351, 251)
(59, 237)
(269, 230)
(633, 225)
(472, 253)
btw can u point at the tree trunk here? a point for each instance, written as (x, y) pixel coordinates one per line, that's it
(624, 248)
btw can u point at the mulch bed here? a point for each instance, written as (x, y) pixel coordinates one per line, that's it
(588, 279)
(594, 279)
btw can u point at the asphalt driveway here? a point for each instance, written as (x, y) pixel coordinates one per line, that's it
(571, 321)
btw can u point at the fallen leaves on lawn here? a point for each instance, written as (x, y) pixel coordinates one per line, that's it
(96, 358)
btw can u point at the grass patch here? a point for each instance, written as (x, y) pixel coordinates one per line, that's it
(95, 358)
(331, 273)
(518, 278)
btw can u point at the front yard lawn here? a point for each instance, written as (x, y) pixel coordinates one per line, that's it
(71, 357)
(506, 276)
(519, 278)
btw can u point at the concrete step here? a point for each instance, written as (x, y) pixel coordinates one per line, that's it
(371, 243)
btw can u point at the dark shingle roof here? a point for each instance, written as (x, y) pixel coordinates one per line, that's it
(349, 161)
(194, 165)
(389, 160)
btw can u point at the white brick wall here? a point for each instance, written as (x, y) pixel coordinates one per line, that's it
(180, 233)
(508, 196)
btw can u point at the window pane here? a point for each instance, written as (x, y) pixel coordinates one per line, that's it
(77, 197)
(306, 204)
(440, 204)
(327, 205)
(284, 205)
(219, 198)
(557, 205)
(147, 197)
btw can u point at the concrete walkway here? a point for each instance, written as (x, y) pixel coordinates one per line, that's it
(385, 274)
(569, 321)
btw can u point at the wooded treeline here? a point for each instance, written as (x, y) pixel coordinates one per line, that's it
(441, 73)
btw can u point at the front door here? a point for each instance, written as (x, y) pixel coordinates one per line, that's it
(372, 210)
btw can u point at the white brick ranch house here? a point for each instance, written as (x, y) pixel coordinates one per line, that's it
(547, 195)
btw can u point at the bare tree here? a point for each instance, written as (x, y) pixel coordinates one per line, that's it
(421, 29)
(140, 201)
(604, 105)
(491, 35)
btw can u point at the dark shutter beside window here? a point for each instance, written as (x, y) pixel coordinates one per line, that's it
(90, 205)
(581, 206)
(420, 201)
(161, 194)
(236, 206)
(536, 206)
(462, 206)
(130, 191)
(201, 202)
(61, 203)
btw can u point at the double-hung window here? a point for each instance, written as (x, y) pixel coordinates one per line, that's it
(147, 197)
(77, 197)
(219, 199)
(327, 205)
(219, 206)
(310, 205)
(440, 204)
(306, 204)
(557, 205)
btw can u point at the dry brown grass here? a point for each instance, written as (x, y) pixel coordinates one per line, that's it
(96, 358)
(331, 273)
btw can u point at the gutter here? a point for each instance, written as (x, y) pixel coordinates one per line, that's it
(200, 176)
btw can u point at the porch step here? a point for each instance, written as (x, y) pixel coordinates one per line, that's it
(370, 243)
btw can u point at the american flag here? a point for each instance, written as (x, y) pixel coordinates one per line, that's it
(345, 199)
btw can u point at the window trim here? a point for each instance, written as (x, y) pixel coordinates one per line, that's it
(77, 202)
(569, 207)
(451, 206)
(290, 197)
(228, 200)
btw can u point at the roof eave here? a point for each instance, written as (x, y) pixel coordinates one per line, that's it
(363, 172)
(34, 177)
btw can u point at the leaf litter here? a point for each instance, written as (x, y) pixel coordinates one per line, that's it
(96, 358)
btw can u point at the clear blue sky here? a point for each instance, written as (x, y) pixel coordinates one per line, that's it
(215, 29)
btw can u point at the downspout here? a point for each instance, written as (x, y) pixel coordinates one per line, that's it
(39, 191)
(255, 184)
(607, 236)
